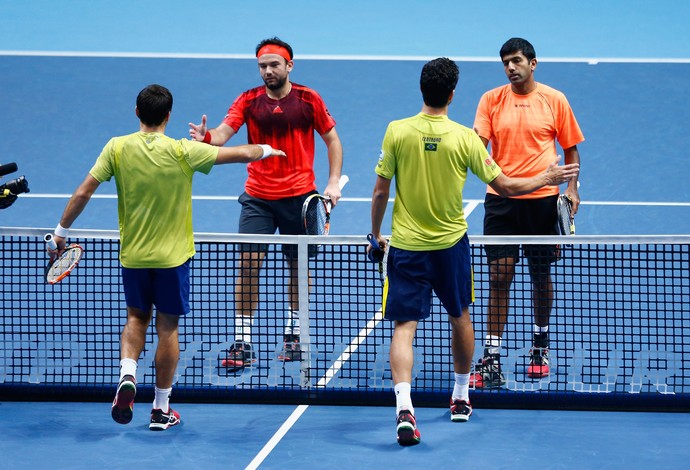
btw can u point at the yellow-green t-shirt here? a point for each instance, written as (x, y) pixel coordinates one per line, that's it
(429, 157)
(153, 174)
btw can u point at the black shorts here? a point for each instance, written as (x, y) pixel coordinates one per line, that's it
(506, 216)
(264, 217)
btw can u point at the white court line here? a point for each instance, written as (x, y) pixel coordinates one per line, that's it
(270, 445)
(351, 348)
(471, 206)
(330, 373)
(342, 57)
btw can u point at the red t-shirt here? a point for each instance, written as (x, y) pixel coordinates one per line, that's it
(287, 124)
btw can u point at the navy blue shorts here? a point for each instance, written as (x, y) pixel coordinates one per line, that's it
(413, 275)
(507, 216)
(264, 217)
(166, 288)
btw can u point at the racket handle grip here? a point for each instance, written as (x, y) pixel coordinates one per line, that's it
(50, 241)
(344, 179)
(376, 253)
(373, 241)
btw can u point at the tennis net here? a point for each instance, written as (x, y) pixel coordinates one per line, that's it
(620, 327)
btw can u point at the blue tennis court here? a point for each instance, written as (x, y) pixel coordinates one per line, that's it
(60, 107)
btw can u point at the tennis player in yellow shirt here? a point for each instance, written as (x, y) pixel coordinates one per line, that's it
(153, 175)
(429, 156)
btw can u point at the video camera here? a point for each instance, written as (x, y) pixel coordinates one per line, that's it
(10, 190)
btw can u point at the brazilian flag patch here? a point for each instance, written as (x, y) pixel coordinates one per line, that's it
(430, 147)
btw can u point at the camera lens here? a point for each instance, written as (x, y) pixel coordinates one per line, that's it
(17, 186)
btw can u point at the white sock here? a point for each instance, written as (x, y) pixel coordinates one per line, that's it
(493, 344)
(461, 389)
(128, 367)
(540, 329)
(292, 323)
(161, 400)
(243, 328)
(403, 400)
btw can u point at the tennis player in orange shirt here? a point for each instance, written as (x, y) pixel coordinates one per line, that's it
(522, 122)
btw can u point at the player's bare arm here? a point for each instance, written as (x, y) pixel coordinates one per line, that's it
(554, 175)
(379, 202)
(335, 162)
(572, 155)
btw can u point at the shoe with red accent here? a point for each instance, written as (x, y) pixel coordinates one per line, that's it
(408, 434)
(538, 363)
(487, 373)
(291, 349)
(239, 356)
(460, 410)
(123, 404)
(161, 421)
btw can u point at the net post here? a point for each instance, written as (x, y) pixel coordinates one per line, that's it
(303, 292)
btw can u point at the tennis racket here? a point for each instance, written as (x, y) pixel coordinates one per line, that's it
(566, 219)
(63, 265)
(316, 211)
(378, 255)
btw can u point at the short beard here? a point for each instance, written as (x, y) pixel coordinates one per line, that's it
(276, 85)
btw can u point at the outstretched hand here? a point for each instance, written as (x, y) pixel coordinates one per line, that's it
(555, 174)
(276, 153)
(198, 131)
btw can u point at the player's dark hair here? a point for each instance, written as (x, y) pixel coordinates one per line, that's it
(153, 104)
(438, 80)
(276, 42)
(515, 45)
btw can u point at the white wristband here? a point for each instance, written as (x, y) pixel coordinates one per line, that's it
(61, 231)
(267, 150)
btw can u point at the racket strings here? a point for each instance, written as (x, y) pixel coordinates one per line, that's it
(65, 263)
(316, 217)
(566, 221)
(62, 263)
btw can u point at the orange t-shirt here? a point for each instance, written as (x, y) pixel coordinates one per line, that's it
(523, 130)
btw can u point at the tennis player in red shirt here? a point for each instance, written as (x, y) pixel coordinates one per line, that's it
(284, 115)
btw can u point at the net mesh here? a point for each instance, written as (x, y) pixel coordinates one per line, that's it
(619, 334)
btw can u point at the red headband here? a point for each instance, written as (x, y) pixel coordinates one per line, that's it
(274, 49)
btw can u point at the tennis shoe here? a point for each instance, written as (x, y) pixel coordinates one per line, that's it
(239, 356)
(291, 349)
(123, 404)
(161, 421)
(460, 410)
(408, 434)
(487, 373)
(538, 363)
